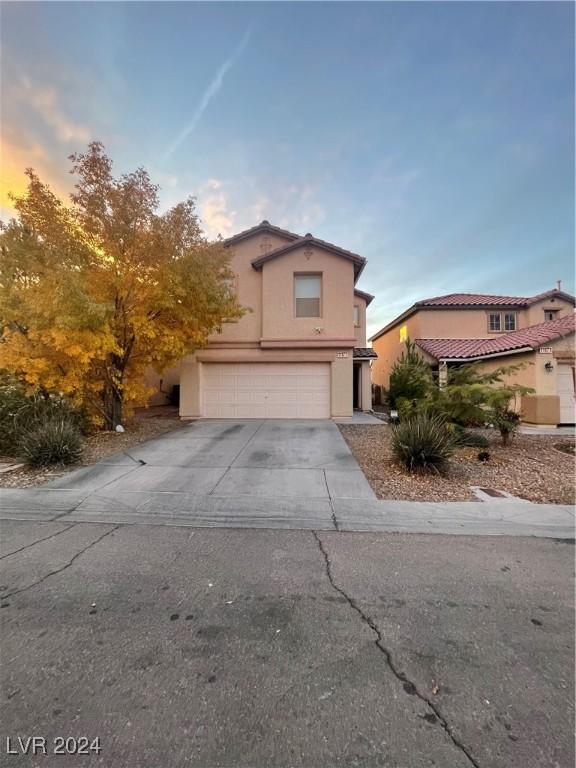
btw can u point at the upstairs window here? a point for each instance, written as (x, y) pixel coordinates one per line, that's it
(501, 321)
(356, 316)
(307, 295)
(494, 321)
(550, 314)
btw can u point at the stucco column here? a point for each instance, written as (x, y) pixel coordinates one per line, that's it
(365, 386)
(442, 375)
(190, 388)
(341, 378)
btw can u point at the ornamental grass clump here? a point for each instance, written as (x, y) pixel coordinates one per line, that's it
(56, 441)
(423, 443)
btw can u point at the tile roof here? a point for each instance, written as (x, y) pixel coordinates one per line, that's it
(472, 300)
(308, 239)
(526, 338)
(487, 300)
(467, 300)
(364, 353)
(264, 226)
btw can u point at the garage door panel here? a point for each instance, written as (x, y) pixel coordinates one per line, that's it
(565, 389)
(266, 390)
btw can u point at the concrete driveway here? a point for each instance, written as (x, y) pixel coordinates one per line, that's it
(262, 474)
(221, 468)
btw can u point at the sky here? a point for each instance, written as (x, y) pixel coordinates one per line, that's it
(435, 139)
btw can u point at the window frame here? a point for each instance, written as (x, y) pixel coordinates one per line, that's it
(356, 315)
(515, 318)
(320, 297)
(553, 312)
(490, 316)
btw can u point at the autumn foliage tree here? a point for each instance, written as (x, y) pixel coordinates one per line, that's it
(95, 291)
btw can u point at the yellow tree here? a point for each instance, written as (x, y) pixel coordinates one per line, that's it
(95, 291)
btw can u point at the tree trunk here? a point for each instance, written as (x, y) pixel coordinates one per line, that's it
(112, 408)
(505, 435)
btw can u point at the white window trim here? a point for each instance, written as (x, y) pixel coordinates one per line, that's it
(320, 298)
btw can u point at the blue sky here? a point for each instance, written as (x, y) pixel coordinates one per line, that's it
(436, 139)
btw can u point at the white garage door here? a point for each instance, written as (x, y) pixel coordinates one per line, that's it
(266, 390)
(566, 393)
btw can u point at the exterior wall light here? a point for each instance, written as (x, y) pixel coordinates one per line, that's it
(548, 367)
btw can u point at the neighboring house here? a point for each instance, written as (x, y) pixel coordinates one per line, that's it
(300, 352)
(496, 330)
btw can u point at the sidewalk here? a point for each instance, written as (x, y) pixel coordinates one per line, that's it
(502, 517)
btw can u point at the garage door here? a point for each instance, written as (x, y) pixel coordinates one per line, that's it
(266, 390)
(566, 393)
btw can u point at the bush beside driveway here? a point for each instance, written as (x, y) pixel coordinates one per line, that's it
(530, 467)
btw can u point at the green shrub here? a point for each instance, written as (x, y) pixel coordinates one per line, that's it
(467, 437)
(21, 412)
(423, 443)
(56, 441)
(12, 399)
(410, 379)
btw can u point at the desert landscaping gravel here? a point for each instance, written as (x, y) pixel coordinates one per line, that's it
(143, 426)
(531, 467)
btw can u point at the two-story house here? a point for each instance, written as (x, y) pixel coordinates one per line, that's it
(537, 331)
(300, 351)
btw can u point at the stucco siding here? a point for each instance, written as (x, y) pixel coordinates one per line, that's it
(360, 329)
(278, 312)
(389, 347)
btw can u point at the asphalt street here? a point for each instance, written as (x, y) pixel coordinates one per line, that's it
(213, 647)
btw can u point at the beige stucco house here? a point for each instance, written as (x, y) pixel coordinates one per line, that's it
(300, 352)
(537, 331)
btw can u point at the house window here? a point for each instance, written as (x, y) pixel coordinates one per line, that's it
(356, 316)
(510, 321)
(494, 321)
(307, 295)
(550, 314)
(231, 284)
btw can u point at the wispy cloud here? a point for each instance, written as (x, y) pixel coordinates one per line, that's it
(215, 213)
(44, 101)
(209, 94)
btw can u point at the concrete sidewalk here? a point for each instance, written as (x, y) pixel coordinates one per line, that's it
(504, 517)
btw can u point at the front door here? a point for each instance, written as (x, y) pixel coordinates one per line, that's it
(356, 386)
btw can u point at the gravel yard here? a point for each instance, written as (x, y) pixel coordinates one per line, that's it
(531, 467)
(145, 425)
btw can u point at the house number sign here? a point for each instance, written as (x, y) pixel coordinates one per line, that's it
(545, 350)
(341, 354)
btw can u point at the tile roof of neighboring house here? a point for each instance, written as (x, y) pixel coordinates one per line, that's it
(363, 295)
(526, 338)
(364, 353)
(487, 300)
(264, 226)
(308, 239)
(468, 300)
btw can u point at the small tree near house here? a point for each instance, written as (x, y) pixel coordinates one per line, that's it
(94, 292)
(470, 396)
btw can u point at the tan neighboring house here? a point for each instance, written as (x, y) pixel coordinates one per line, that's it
(300, 352)
(496, 331)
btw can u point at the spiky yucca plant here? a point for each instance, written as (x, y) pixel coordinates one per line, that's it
(57, 441)
(423, 443)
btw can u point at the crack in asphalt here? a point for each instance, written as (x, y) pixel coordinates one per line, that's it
(38, 541)
(379, 642)
(64, 567)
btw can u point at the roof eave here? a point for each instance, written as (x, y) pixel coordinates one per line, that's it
(476, 358)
